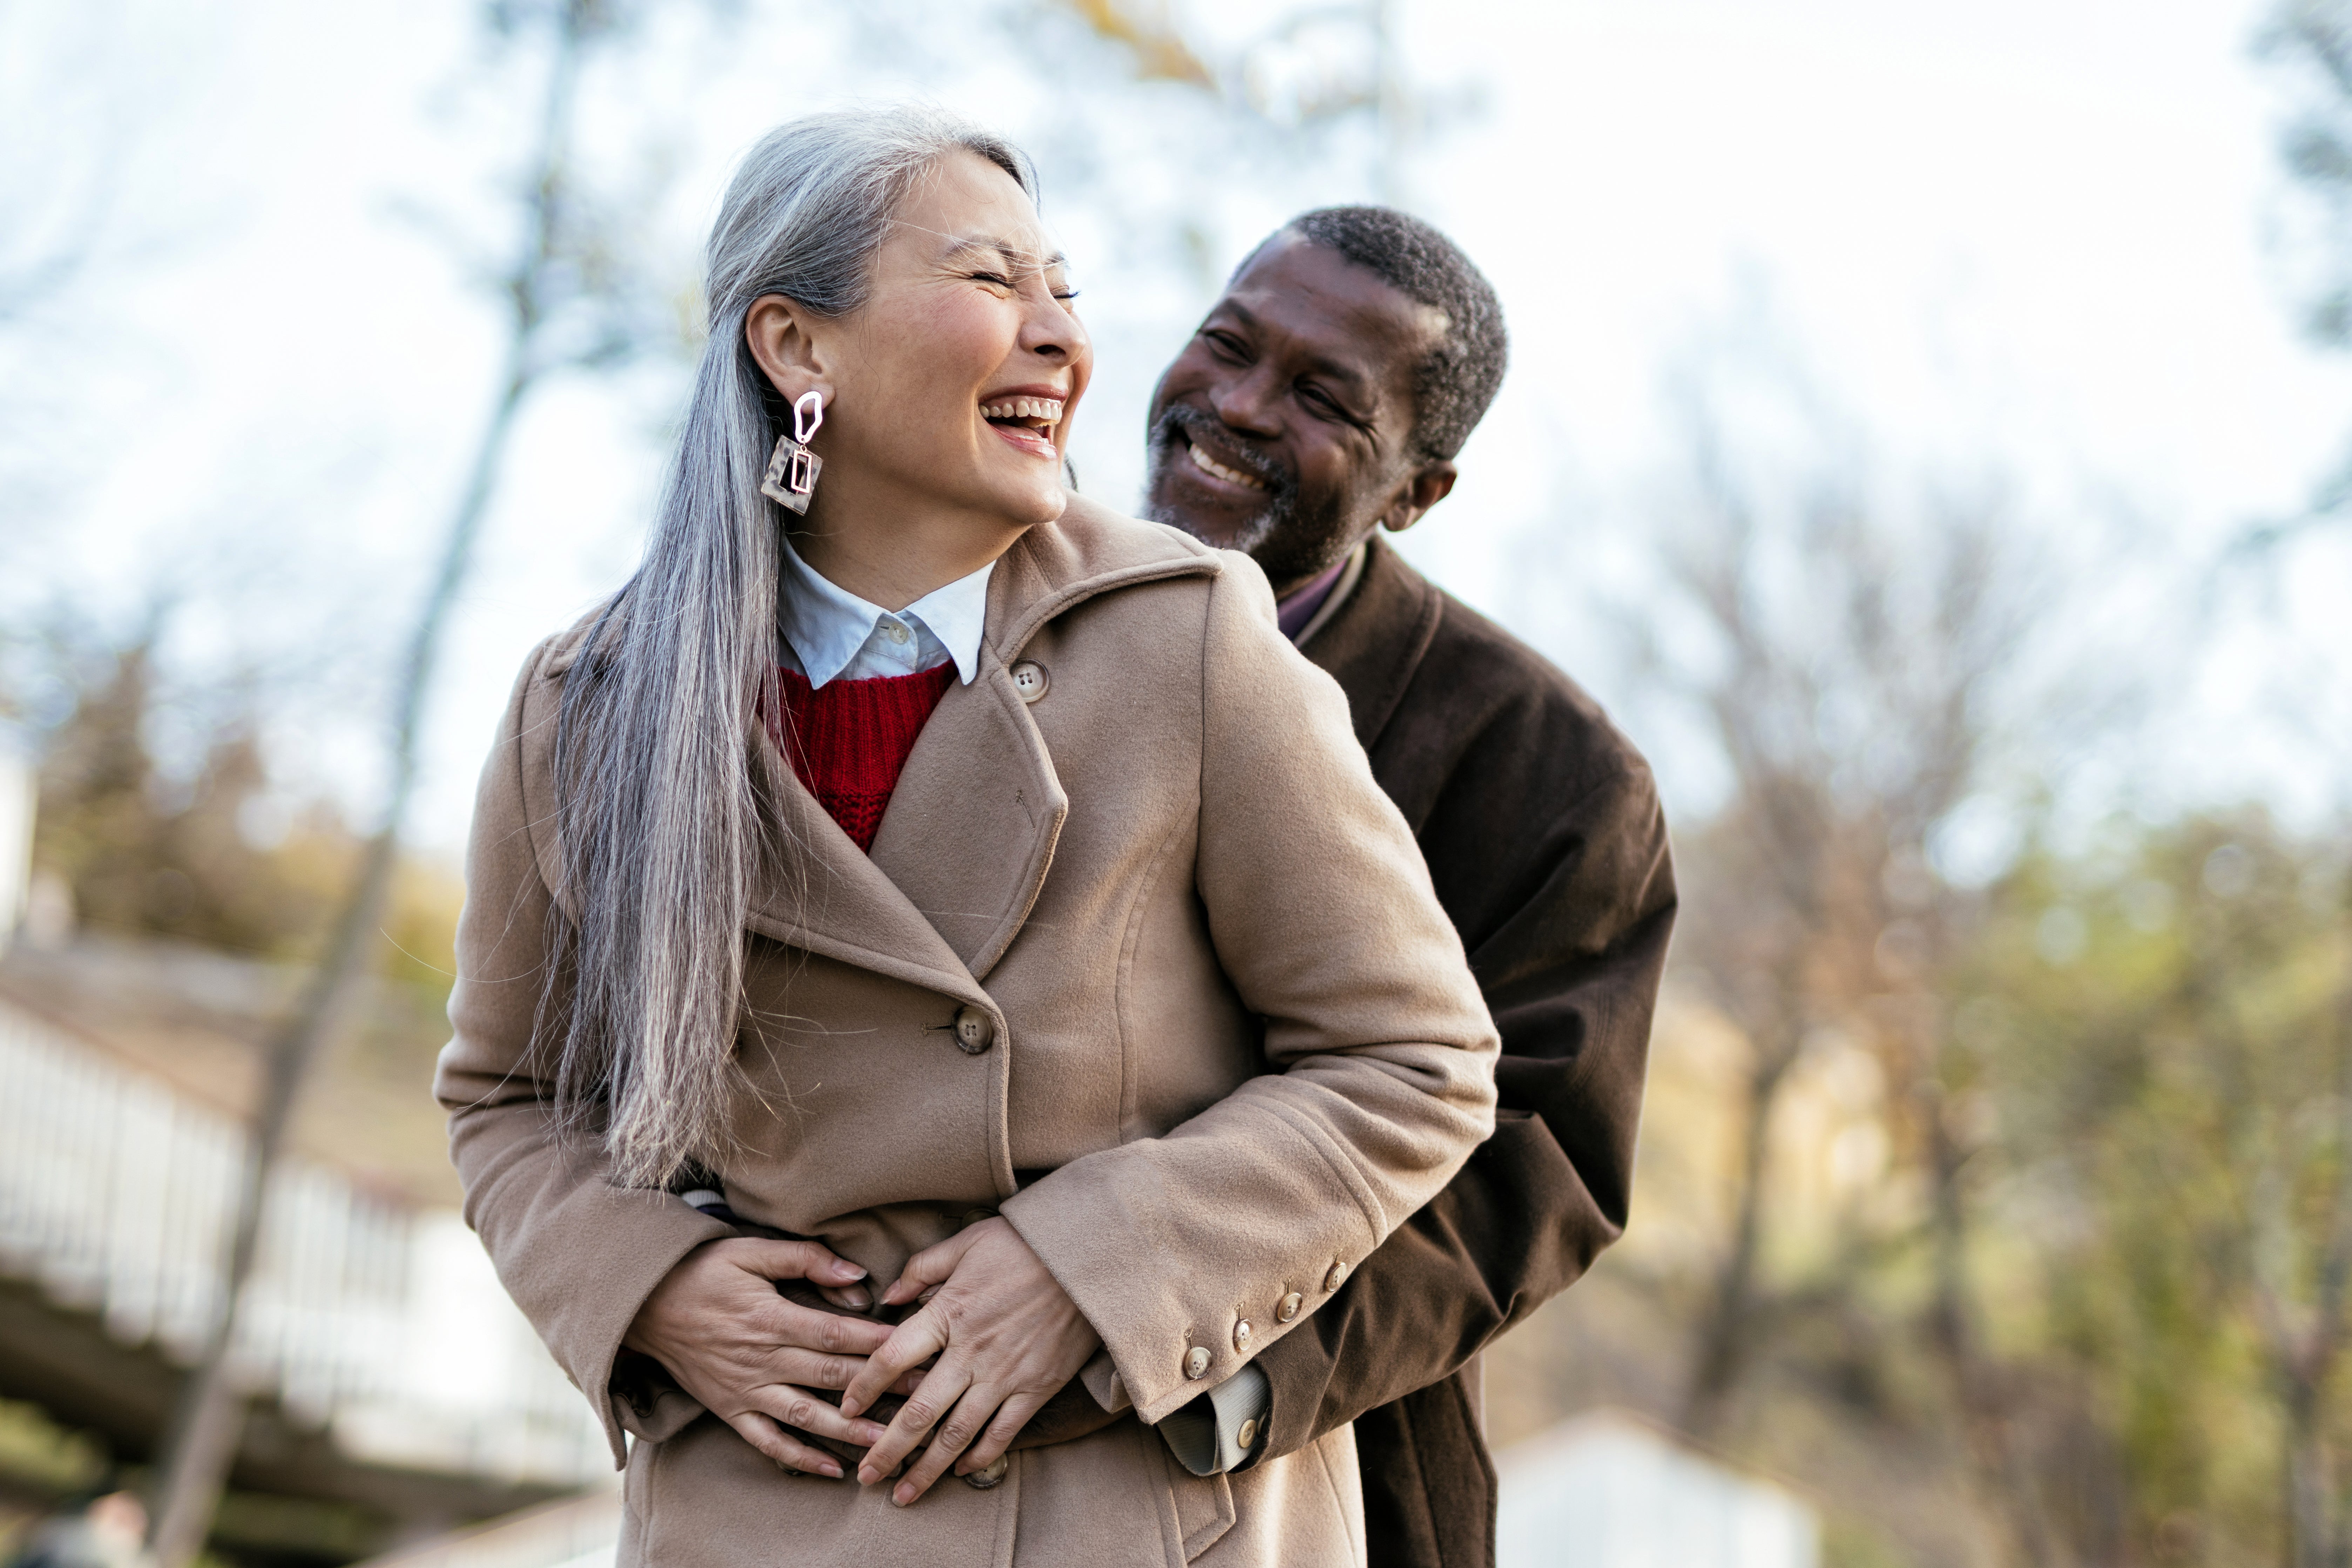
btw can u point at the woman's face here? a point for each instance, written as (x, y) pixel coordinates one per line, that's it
(954, 384)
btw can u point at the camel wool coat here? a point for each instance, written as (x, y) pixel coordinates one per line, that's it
(1142, 958)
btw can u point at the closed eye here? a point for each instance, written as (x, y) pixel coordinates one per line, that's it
(1328, 406)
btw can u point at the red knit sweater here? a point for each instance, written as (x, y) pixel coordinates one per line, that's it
(849, 741)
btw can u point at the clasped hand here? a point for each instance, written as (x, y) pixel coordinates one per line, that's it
(751, 1356)
(1005, 1335)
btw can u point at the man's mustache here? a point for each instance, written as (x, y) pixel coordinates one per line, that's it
(1192, 424)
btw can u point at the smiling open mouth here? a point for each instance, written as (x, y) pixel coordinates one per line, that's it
(1210, 466)
(1037, 413)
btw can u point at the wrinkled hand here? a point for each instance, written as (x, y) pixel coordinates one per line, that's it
(1007, 1338)
(717, 1322)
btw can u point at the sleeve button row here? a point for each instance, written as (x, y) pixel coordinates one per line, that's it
(1196, 1363)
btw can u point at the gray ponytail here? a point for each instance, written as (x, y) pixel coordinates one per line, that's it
(656, 812)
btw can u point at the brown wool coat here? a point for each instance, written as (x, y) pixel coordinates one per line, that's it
(1234, 1043)
(1549, 850)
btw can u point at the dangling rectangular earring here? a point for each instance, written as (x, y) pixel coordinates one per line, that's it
(793, 469)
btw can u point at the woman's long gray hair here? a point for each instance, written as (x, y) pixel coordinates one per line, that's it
(658, 813)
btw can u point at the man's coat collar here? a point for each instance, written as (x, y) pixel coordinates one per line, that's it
(1376, 638)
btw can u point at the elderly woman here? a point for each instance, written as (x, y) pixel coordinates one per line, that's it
(932, 952)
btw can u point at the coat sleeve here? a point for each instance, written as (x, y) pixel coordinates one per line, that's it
(1569, 903)
(1379, 1048)
(578, 1254)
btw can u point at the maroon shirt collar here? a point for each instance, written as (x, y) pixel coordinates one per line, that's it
(1293, 613)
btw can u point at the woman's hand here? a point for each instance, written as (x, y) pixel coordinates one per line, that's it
(751, 1356)
(1007, 1337)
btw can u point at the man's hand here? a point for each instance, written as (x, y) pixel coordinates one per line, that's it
(718, 1324)
(1007, 1337)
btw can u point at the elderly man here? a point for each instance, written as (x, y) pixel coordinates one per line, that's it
(1321, 402)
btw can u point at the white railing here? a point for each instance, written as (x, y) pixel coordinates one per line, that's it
(381, 1323)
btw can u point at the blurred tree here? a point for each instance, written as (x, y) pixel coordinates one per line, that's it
(1309, 72)
(572, 303)
(2311, 39)
(1159, 47)
(2070, 1126)
(62, 185)
(73, 206)
(1864, 664)
(2166, 1020)
(216, 857)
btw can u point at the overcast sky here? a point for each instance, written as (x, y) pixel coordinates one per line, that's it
(2031, 235)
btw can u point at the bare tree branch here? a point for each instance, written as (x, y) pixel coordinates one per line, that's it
(549, 279)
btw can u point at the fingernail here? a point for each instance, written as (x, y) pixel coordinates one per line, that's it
(905, 1494)
(871, 1431)
(867, 1475)
(856, 1298)
(849, 1406)
(832, 1471)
(846, 1269)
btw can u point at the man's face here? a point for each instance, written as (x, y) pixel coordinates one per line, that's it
(1284, 428)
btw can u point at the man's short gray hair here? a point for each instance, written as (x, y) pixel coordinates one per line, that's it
(1456, 381)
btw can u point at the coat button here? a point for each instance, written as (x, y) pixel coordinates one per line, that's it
(975, 1031)
(1242, 1335)
(1196, 1363)
(1331, 1281)
(989, 1473)
(1247, 1436)
(1030, 680)
(1290, 1305)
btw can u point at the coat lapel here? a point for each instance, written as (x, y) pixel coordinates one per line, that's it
(1375, 642)
(963, 849)
(814, 888)
(972, 827)
(810, 887)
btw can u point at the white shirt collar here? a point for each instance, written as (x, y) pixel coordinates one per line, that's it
(834, 633)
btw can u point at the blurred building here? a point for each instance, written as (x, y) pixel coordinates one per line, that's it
(396, 1392)
(1611, 1490)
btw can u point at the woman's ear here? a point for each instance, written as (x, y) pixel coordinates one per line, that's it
(778, 331)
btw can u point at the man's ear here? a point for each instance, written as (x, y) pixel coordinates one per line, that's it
(778, 331)
(1425, 489)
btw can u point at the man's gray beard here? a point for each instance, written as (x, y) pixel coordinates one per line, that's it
(1252, 533)
(1280, 502)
